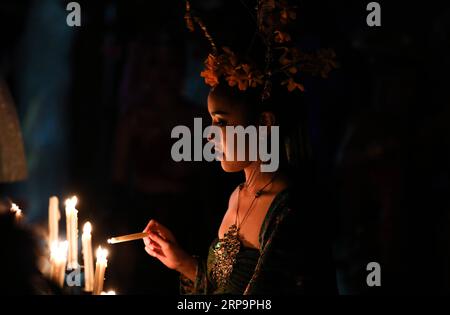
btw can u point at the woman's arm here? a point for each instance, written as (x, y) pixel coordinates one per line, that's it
(189, 268)
(162, 245)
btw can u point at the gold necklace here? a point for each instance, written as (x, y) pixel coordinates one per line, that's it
(228, 247)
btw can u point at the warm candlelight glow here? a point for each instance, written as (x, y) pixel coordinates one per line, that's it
(58, 259)
(59, 251)
(87, 228)
(86, 240)
(15, 208)
(100, 268)
(127, 238)
(101, 254)
(71, 203)
(111, 292)
(72, 231)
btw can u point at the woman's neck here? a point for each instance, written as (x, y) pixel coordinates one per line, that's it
(254, 178)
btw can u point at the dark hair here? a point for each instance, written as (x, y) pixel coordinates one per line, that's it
(290, 113)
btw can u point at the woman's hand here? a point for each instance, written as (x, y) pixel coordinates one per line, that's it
(162, 245)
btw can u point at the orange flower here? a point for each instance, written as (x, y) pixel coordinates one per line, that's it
(211, 62)
(210, 73)
(238, 77)
(244, 77)
(292, 85)
(254, 77)
(289, 56)
(293, 70)
(210, 78)
(282, 37)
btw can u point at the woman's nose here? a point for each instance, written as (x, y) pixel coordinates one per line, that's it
(210, 136)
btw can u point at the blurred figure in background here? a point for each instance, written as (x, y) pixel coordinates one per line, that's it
(20, 257)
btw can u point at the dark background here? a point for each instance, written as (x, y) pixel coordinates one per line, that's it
(97, 104)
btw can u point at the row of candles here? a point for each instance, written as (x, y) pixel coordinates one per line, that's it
(64, 254)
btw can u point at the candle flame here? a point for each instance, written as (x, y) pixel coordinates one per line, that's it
(101, 254)
(15, 208)
(87, 228)
(72, 202)
(53, 246)
(58, 250)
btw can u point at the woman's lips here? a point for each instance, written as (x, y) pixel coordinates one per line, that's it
(219, 152)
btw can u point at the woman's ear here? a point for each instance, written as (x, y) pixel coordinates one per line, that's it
(267, 119)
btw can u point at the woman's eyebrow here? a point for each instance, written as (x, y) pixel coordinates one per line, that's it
(219, 112)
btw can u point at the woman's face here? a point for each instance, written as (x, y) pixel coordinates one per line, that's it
(225, 114)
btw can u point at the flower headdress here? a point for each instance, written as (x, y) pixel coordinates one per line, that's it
(281, 56)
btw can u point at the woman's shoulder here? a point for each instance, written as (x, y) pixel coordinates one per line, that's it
(234, 194)
(280, 203)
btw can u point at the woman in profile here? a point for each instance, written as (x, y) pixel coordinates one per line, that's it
(273, 236)
(271, 239)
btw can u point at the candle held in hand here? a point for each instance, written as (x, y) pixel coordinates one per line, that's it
(127, 238)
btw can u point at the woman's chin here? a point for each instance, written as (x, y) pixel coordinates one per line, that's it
(233, 167)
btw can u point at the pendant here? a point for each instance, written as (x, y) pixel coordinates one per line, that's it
(225, 253)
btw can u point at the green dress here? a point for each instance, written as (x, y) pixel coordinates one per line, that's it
(282, 266)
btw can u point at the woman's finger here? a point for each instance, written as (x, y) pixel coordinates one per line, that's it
(148, 242)
(155, 244)
(162, 231)
(159, 240)
(152, 252)
(149, 226)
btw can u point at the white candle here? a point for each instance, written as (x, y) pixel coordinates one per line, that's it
(86, 240)
(100, 268)
(53, 220)
(58, 260)
(72, 232)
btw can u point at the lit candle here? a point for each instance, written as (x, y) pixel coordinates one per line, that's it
(58, 260)
(100, 268)
(86, 240)
(127, 238)
(72, 232)
(53, 220)
(15, 208)
(111, 292)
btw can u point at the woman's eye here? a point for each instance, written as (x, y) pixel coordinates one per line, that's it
(220, 123)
